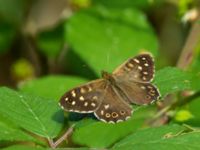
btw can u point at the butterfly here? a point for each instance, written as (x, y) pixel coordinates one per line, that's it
(110, 97)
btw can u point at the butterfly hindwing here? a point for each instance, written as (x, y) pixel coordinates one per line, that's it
(139, 93)
(139, 68)
(85, 98)
(113, 108)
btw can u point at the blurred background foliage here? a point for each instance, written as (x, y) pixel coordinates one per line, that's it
(48, 47)
(81, 37)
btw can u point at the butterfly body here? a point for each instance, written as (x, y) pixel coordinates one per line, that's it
(109, 98)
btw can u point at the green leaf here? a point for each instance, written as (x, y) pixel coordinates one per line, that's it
(193, 108)
(171, 80)
(22, 147)
(9, 132)
(123, 4)
(59, 85)
(98, 36)
(162, 138)
(42, 117)
(100, 135)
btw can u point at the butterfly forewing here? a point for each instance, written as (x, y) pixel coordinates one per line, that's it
(139, 68)
(85, 98)
(134, 77)
(113, 108)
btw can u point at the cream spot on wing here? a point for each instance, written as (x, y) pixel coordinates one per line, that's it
(73, 93)
(83, 90)
(143, 87)
(114, 115)
(108, 115)
(130, 65)
(106, 106)
(89, 89)
(127, 117)
(93, 104)
(139, 67)
(86, 104)
(119, 120)
(127, 69)
(111, 122)
(143, 58)
(102, 112)
(81, 98)
(145, 73)
(152, 92)
(146, 64)
(122, 112)
(62, 107)
(66, 99)
(144, 78)
(73, 103)
(94, 97)
(136, 60)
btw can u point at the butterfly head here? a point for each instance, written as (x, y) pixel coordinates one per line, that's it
(107, 76)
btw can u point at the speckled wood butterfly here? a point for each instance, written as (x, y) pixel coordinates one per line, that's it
(109, 98)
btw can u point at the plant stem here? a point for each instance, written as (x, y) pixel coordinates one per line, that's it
(175, 105)
(62, 138)
(190, 46)
(183, 62)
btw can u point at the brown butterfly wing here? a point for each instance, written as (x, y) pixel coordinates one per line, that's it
(113, 108)
(139, 68)
(133, 79)
(139, 93)
(85, 98)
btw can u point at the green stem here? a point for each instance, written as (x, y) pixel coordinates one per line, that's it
(175, 105)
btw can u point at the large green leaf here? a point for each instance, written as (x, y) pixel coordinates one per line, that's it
(123, 4)
(42, 117)
(105, 38)
(171, 79)
(9, 132)
(23, 147)
(162, 138)
(52, 87)
(100, 135)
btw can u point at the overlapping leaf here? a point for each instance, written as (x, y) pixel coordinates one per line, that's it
(101, 135)
(162, 138)
(107, 37)
(52, 87)
(42, 117)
